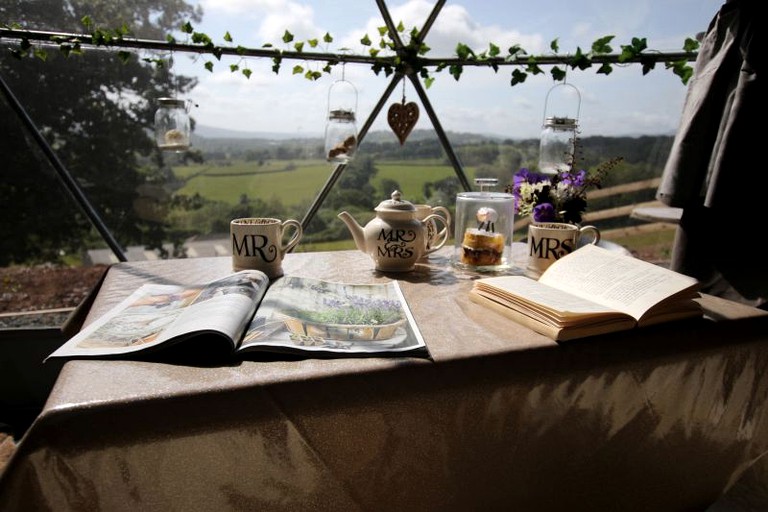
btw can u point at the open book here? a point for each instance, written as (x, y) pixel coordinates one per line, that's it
(243, 313)
(591, 291)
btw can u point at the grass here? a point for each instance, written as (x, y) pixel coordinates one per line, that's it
(297, 182)
(291, 182)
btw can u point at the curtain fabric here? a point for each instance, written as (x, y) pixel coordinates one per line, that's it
(715, 170)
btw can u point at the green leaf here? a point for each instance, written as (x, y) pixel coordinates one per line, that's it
(41, 54)
(124, 56)
(86, 21)
(494, 50)
(327, 38)
(683, 70)
(170, 39)
(581, 60)
(515, 51)
(287, 37)
(187, 28)
(234, 67)
(209, 66)
(605, 69)
(366, 41)
(373, 52)
(554, 46)
(648, 63)
(601, 46)
(533, 66)
(276, 61)
(557, 73)
(463, 51)
(241, 50)
(201, 38)
(518, 77)
(247, 73)
(313, 43)
(428, 82)
(400, 27)
(639, 44)
(690, 45)
(382, 30)
(455, 70)
(297, 69)
(299, 46)
(627, 53)
(228, 37)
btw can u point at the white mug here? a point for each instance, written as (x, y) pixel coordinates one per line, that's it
(550, 241)
(434, 238)
(259, 243)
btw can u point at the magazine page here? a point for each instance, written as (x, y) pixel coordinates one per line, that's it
(304, 315)
(157, 314)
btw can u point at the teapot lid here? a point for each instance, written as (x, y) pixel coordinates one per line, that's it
(395, 204)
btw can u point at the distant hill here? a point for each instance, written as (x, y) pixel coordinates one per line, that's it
(211, 136)
(211, 132)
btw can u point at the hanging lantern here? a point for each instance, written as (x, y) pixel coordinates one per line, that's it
(172, 125)
(341, 130)
(558, 136)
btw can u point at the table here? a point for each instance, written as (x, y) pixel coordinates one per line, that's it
(664, 418)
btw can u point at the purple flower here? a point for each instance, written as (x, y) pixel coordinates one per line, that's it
(574, 179)
(544, 212)
(524, 176)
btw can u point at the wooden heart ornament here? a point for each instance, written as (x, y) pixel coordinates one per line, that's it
(402, 117)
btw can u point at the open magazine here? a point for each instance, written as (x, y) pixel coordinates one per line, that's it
(242, 313)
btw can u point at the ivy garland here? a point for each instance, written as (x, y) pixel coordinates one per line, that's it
(410, 58)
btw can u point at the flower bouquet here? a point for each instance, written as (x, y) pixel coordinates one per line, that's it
(561, 197)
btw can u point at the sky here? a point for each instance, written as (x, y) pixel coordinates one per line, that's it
(625, 102)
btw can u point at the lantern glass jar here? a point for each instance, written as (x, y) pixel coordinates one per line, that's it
(557, 145)
(340, 136)
(172, 125)
(341, 129)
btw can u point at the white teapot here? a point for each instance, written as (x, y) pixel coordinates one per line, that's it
(395, 239)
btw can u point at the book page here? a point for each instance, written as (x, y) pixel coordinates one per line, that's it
(537, 297)
(155, 314)
(615, 280)
(304, 315)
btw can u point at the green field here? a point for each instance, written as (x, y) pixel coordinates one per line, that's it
(297, 182)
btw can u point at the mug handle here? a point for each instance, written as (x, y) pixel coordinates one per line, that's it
(443, 233)
(583, 230)
(297, 234)
(447, 215)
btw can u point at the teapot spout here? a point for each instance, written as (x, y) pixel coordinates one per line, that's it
(356, 229)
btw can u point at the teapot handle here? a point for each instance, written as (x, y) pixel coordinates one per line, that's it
(442, 234)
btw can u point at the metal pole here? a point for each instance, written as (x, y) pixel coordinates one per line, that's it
(69, 182)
